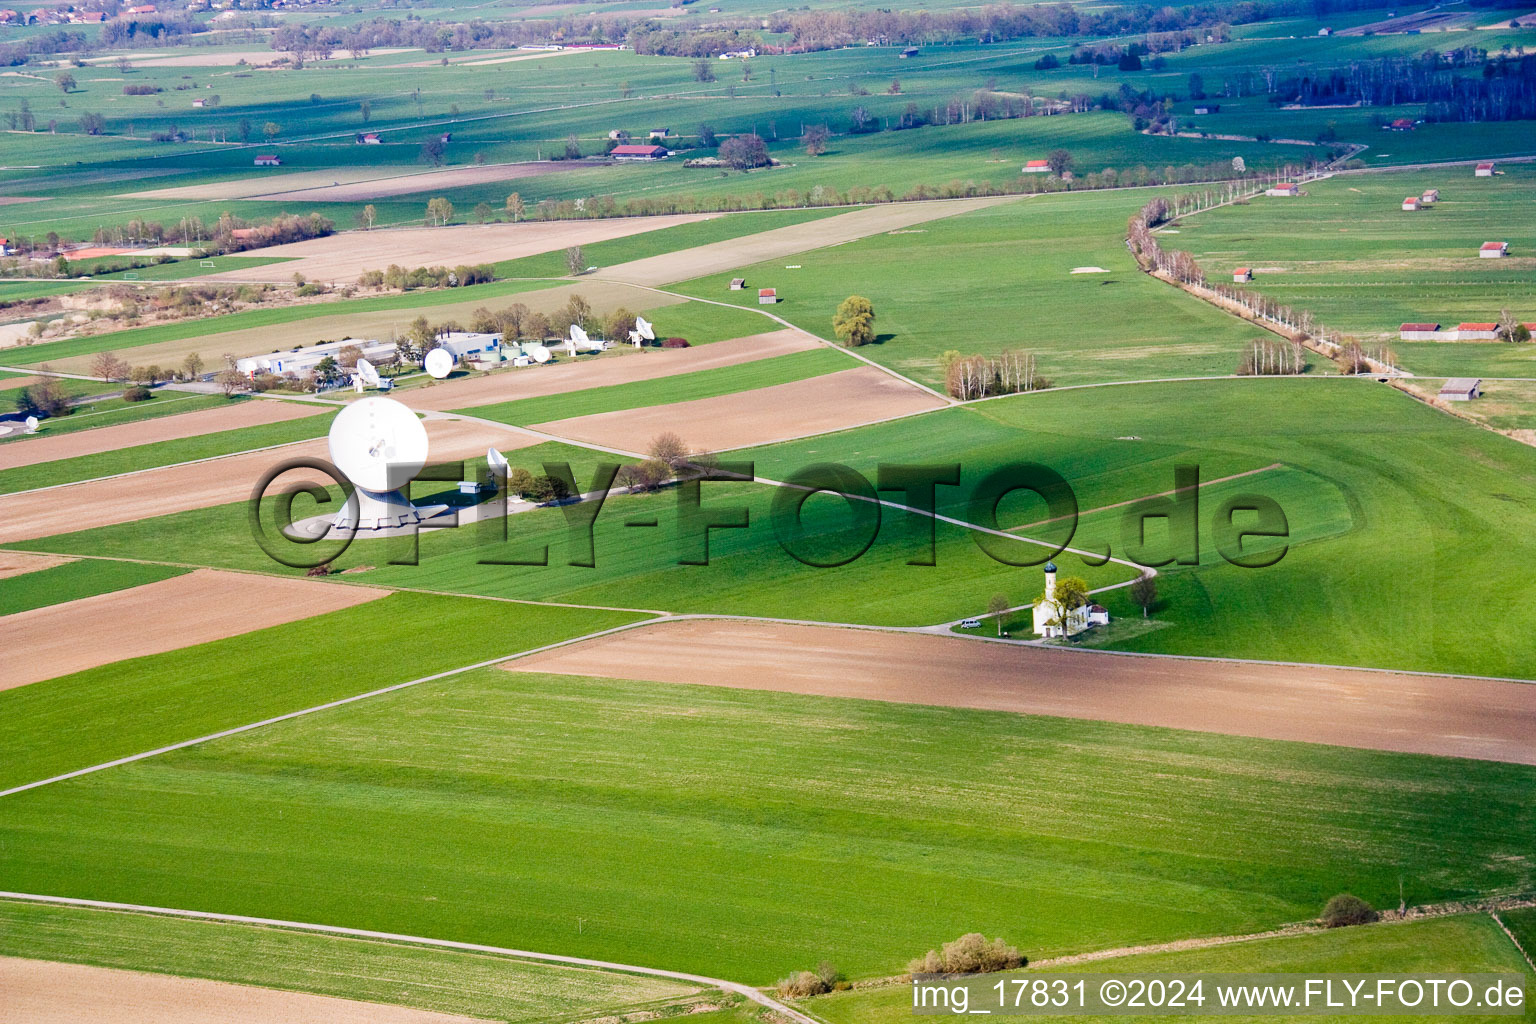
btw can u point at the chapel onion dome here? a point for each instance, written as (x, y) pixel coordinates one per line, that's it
(1050, 566)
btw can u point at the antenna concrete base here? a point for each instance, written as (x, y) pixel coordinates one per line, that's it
(384, 511)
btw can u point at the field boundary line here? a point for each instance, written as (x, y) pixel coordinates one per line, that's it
(151, 469)
(754, 994)
(287, 716)
(1493, 913)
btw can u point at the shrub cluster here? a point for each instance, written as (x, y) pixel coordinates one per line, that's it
(800, 984)
(402, 279)
(969, 954)
(1345, 910)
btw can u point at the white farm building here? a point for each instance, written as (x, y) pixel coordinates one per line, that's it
(300, 361)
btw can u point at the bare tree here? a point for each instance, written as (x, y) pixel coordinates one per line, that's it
(996, 607)
(575, 260)
(670, 450)
(1144, 593)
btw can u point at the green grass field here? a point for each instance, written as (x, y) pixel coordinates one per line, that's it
(74, 580)
(1467, 358)
(683, 387)
(163, 453)
(1001, 278)
(1350, 254)
(489, 987)
(690, 825)
(129, 706)
(1372, 482)
(114, 411)
(700, 323)
(1401, 484)
(1470, 943)
(654, 243)
(70, 387)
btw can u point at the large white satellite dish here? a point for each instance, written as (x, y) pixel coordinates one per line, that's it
(370, 375)
(540, 354)
(31, 424)
(644, 327)
(439, 363)
(578, 335)
(496, 461)
(380, 445)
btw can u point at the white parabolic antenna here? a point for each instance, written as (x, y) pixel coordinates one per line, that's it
(380, 446)
(370, 376)
(31, 424)
(540, 354)
(496, 461)
(644, 327)
(579, 336)
(439, 363)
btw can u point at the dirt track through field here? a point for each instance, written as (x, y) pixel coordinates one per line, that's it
(42, 448)
(345, 256)
(833, 401)
(16, 563)
(13, 383)
(40, 992)
(717, 257)
(194, 608)
(620, 368)
(257, 182)
(1486, 719)
(158, 492)
(407, 184)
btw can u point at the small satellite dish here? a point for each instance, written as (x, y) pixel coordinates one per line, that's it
(370, 376)
(379, 444)
(439, 363)
(31, 424)
(647, 331)
(540, 354)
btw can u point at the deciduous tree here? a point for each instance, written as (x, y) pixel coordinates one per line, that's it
(854, 321)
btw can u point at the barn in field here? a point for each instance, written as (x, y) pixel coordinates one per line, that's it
(1430, 197)
(1484, 169)
(1461, 389)
(738, 283)
(767, 296)
(1038, 167)
(639, 152)
(1284, 188)
(1477, 332)
(267, 160)
(1242, 275)
(1493, 250)
(1420, 332)
(1411, 203)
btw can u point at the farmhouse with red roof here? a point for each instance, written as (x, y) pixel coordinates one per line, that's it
(635, 152)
